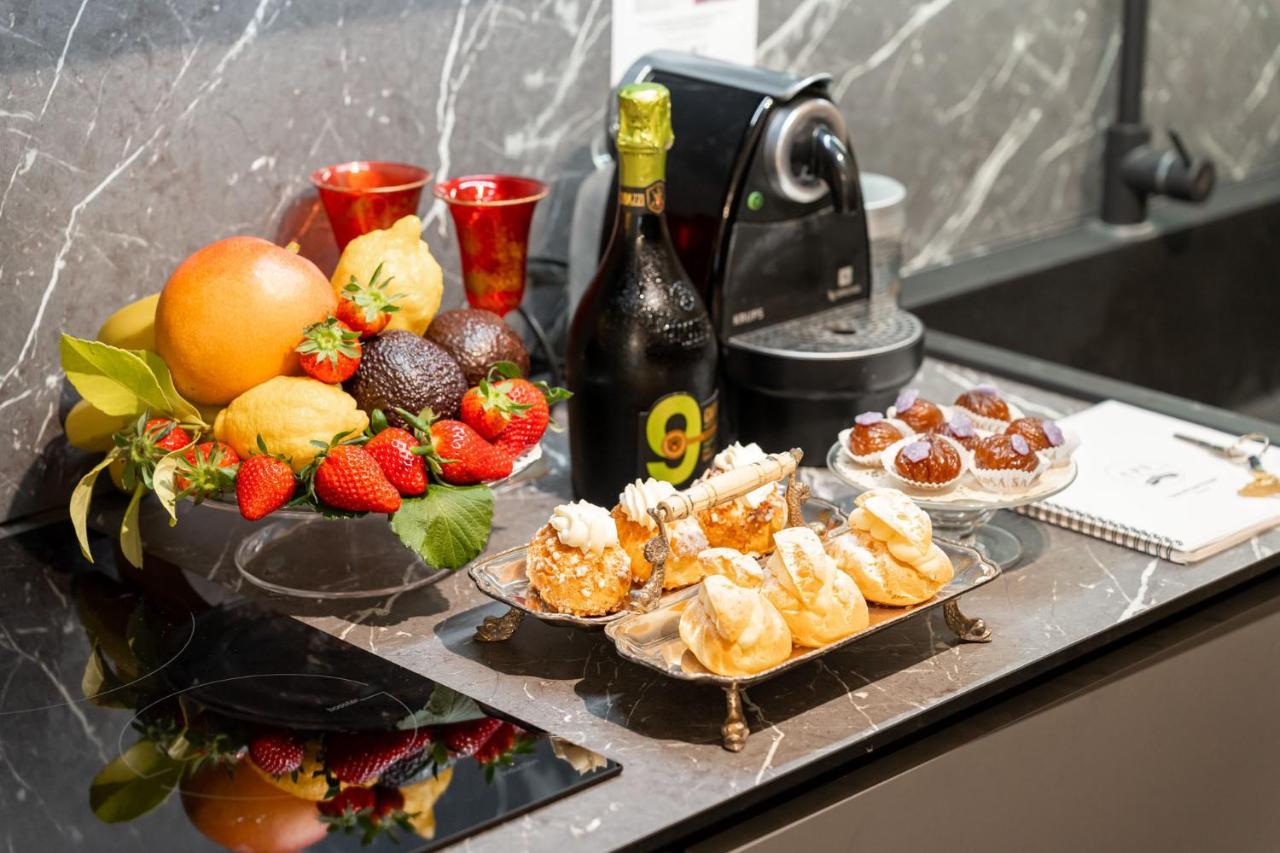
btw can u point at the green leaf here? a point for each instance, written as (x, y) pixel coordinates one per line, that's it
(448, 526)
(134, 784)
(445, 706)
(116, 381)
(178, 407)
(163, 481)
(80, 496)
(100, 685)
(130, 537)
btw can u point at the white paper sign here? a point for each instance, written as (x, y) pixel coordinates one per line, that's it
(720, 29)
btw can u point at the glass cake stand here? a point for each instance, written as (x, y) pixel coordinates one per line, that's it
(301, 553)
(962, 514)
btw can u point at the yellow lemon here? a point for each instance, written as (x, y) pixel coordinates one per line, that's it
(133, 326)
(405, 257)
(89, 428)
(289, 412)
(420, 801)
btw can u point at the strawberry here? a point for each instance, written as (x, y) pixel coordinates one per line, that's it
(356, 758)
(386, 801)
(533, 402)
(206, 469)
(348, 478)
(396, 452)
(526, 430)
(351, 800)
(368, 811)
(466, 738)
(145, 443)
(488, 408)
(264, 484)
(275, 751)
(367, 308)
(330, 351)
(456, 453)
(461, 457)
(166, 435)
(503, 745)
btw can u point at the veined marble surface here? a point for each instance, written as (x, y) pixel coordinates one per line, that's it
(130, 135)
(1069, 595)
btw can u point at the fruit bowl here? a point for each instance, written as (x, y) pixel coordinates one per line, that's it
(305, 554)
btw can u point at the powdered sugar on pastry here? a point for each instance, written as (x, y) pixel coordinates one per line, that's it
(734, 565)
(732, 630)
(819, 603)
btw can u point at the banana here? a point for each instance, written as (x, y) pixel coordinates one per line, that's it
(90, 429)
(133, 326)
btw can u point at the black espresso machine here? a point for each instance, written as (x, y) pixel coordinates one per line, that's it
(765, 211)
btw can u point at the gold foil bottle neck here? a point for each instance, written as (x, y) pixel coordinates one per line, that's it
(644, 117)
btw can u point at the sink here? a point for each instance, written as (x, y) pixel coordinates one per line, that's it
(1188, 308)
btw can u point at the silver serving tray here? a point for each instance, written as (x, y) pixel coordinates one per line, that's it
(652, 639)
(502, 577)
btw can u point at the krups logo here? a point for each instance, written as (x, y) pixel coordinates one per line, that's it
(845, 285)
(751, 315)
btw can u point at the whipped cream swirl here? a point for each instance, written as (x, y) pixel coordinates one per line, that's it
(584, 526)
(738, 455)
(641, 496)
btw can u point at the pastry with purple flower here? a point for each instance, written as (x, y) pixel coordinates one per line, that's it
(872, 432)
(986, 405)
(960, 428)
(929, 461)
(916, 412)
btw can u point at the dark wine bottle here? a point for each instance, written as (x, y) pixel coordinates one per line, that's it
(642, 350)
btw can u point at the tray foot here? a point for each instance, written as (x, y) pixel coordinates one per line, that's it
(495, 629)
(967, 629)
(735, 729)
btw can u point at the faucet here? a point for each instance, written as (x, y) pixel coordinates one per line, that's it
(1133, 168)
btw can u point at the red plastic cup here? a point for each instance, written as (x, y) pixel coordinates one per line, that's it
(492, 214)
(366, 195)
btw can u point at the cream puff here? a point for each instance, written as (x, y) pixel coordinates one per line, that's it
(747, 523)
(733, 630)
(889, 550)
(734, 565)
(819, 603)
(636, 527)
(575, 563)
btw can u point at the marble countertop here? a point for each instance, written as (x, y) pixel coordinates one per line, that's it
(1069, 595)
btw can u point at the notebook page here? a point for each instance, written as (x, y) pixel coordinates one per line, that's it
(1133, 472)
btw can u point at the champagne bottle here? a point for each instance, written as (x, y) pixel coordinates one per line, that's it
(642, 350)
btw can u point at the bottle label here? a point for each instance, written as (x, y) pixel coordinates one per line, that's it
(652, 198)
(678, 437)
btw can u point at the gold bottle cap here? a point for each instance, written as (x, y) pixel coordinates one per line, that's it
(644, 117)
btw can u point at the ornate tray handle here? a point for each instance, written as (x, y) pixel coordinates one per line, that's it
(704, 495)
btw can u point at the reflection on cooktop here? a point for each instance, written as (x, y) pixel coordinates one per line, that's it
(262, 732)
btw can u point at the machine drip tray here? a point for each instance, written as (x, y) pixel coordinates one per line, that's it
(799, 382)
(844, 332)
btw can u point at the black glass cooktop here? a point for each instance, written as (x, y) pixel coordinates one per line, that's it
(158, 720)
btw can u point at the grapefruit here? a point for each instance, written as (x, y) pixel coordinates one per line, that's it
(231, 314)
(235, 808)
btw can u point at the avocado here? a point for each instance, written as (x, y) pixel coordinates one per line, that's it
(400, 369)
(477, 339)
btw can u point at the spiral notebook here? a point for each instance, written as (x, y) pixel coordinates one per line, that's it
(1140, 487)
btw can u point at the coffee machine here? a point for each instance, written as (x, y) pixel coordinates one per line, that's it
(765, 210)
